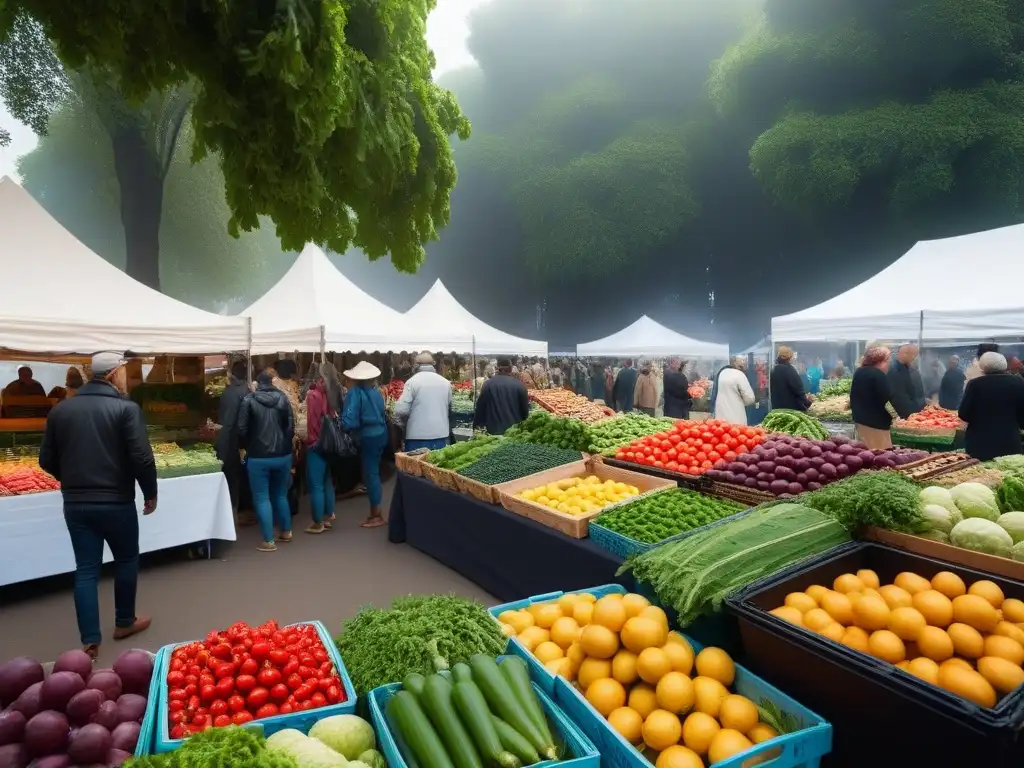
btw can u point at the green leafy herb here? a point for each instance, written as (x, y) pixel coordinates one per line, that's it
(608, 435)
(511, 461)
(461, 455)
(884, 499)
(230, 747)
(656, 517)
(542, 428)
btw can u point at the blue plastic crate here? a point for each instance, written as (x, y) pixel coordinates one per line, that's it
(584, 753)
(301, 721)
(538, 673)
(801, 749)
(147, 732)
(624, 546)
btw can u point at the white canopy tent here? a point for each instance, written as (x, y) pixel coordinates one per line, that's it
(315, 307)
(58, 297)
(647, 338)
(439, 307)
(957, 289)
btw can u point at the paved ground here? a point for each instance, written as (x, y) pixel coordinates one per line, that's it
(324, 577)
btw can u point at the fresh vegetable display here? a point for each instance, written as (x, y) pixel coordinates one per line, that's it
(969, 519)
(695, 574)
(230, 747)
(22, 478)
(248, 673)
(646, 681)
(541, 428)
(1010, 493)
(423, 634)
(883, 499)
(795, 423)
(660, 515)
(564, 403)
(511, 461)
(1012, 463)
(691, 447)
(199, 459)
(334, 742)
(834, 408)
(786, 465)
(74, 715)
(931, 418)
(485, 714)
(965, 638)
(579, 495)
(611, 434)
(975, 500)
(835, 387)
(979, 473)
(461, 455)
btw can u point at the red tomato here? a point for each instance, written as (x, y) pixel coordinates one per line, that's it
(306, 672)
(267, 710)
(208, 693)
(176, 679)
(222, 721)
(290, 668)
(225, 687)
(294, 682)
(236, 703)
(268, 677)
(177, 732)
(176, 705)
(303, 692)
(302, 706)
(226, 669)
(257, 698)
(318, 699)
(261, 650)
(240, 718)
(279, 692)
(219, 707)
(177, 664)
(203, 658)
(278, 657)
(194, 702)
(177, 717)
(221, 651)
(249, 667)
(178, 694)
(285, 709)
(200, 719)
(334, 694)
(245, 683)
(327, 668)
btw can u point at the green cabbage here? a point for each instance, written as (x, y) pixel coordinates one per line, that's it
(981, 535)
(935, 494)
(941, 519)
(1010, 493)
(348, 735)
(935, 536)
(1017, 553)
(976, 500)
(1013, 524)
(372, 758)
(305, 751)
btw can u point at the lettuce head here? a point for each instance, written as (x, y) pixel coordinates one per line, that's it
(981, 535)
(976, 500)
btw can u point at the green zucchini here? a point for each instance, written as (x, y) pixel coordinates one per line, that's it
(414, 683)
(461, 673)
(417, 732)
(498, 693)
(437, 702)
(403, 748)
(472, 708)
(513, 741)
(518, 676)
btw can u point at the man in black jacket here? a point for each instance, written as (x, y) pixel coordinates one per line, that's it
(677, 395)
(785, 384)
(503, 401)
(96, 445)
(905, 382)
(625, 386)
(227, 444)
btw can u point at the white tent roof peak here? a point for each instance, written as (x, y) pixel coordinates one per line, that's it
(440, 308)
(58, 296)
(646, 337)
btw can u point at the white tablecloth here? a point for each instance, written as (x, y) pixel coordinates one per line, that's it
(34, 541)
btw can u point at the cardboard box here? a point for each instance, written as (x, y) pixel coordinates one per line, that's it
(998, 566)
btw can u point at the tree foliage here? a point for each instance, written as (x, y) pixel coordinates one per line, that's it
(322, 113)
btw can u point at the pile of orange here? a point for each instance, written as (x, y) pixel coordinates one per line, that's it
(968, 640)
(645, 680)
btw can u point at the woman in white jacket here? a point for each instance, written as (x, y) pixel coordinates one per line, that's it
(734, 393)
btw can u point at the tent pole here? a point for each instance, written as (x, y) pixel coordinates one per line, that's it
(248, 352)
(323, 342)
(920, 331)
(473, 372)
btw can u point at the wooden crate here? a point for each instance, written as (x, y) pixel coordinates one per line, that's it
(442, 478)
(411, 465)
(575, 526)
(979, 561)
(476, 489)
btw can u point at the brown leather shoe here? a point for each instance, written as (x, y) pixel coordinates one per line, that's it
(141, 625)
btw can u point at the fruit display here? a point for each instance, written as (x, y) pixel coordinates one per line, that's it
(932, 418)
(420, 633)
(579, 495)
(461, 455)
(667, 513)
(562, 402)
(692, 447)
(696, 573)
(795, 423)
(835, 408)
(74, 715)
(248, 673)
(511, 461)
(486, 713)
(199, 459)
(393, 389)
(542, 428)
(611, 434)
(215, 385)
(964, 637)
(647, 682)
(786, 465)
(20, 478)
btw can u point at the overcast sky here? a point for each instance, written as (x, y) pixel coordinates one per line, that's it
(446, 32)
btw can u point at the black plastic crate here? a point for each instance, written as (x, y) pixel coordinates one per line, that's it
(882, 716)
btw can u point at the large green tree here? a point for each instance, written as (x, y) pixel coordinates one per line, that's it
(322, 113)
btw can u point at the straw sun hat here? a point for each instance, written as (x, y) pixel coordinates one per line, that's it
(363, 371)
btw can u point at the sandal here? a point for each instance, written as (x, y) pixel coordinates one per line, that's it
(327, 525)
(92, 650)
(373, 522)
(316, 528)
(286, 537)
(267, 546)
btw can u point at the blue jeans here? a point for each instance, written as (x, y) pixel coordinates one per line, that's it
(432, 445)
(89, 526)
(321, 485)
(371, 449)
(268, 479)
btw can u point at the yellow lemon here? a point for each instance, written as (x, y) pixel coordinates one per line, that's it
(907, 623)
(699, 730)
(817, 619)
(599, 642)
(868, 578)
(968, 684)
(583, 612)
(871, 613)
(838, 606)
(661, 730)
(790, 614)
(936, 608)
(801, 601)
(628, 723)
(738, 712)
(531, 637)
(674, 693)
(1013, 610)
(565, 631)
(967, 641)
(912, 582)
(716, 664)
(518, 620)
(639, 633)
(606, 695)
(591, 670)
(847, 582)
(548, 615)
(1005, 648)
(896, 597)
(547, 651)
(924, 668)
(1002, 674)
(975, 611)
(988, 590)
(653, 664)
(816, 592)
(609, 612)
(566, 603)
(935, 643)
(643, 699)
(887, 646)
(624, 667)
(949, 584)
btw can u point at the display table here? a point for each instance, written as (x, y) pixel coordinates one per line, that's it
(508, 555)
(34, 541)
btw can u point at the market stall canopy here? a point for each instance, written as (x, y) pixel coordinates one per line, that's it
(315, 302)
(440, 307)
(966, 286)
(58, 297)
(647, 338)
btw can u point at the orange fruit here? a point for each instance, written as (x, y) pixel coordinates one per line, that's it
(935, 644)
(887, 646)
(699, 730)
(643, 699)
(838, 606)
(738, 712)
(548, 651)
(653, 664)
(869, 578)
(708, 695)
(896, 597)
(1009, 630)
(967, 641)
(1003, 675)
(801, 601)
(565, 631)
(727, 743)
(949, 584)
(679, 757)
(975, 611)
(639, 633)
(583, 612)
(624, 667)
(599, 642)
(968, 684)
(675, 693)
(1005, 648)
(847, 582)
(680, 655)
(988, 590)
(856, 638)
(1013, 609)
(870, 613)
(661, 730)
(762, 732)
(936, 608)
(817, 619)
(606, 695)
(912, 582)
(591, 670)
(634, 603)
(609, 612)
(907, 623)
(816, 592)
(924, 668)
(716, 664)
(833, 631)
(628, 723)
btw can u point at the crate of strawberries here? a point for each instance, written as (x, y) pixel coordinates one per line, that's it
(282, 677)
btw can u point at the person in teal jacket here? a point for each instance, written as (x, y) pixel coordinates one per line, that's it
(364, 415)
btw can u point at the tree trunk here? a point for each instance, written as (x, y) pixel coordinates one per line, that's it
(141, 179)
